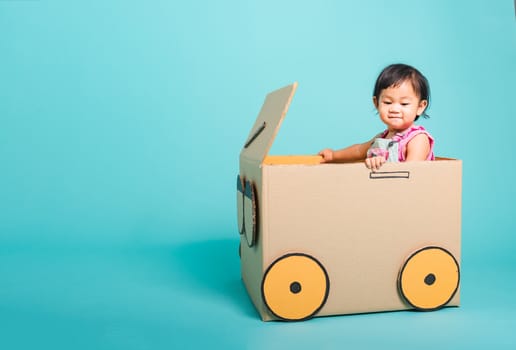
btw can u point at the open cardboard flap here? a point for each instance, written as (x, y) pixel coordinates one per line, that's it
(267, 123)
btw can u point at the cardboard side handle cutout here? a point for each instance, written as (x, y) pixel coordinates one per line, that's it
(389, 175)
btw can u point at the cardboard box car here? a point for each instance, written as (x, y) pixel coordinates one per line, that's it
(329, 239)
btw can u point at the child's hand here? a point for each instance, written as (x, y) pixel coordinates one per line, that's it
(374, 163)
(327, 155)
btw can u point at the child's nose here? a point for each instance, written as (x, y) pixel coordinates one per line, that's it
(395, 107)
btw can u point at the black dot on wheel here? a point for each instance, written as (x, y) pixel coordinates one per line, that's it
(295, 287)
(430, 279)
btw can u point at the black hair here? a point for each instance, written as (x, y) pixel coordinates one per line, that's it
(396, 74)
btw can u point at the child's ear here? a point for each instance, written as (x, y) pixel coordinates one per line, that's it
(422, 106)
(375, 102)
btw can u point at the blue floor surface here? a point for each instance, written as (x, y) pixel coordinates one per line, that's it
(188, 294)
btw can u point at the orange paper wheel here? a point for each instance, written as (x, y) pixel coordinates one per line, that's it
(429, 278)
(295, 287)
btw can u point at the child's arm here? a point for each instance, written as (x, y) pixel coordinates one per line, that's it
(349, 154)
(418, 148)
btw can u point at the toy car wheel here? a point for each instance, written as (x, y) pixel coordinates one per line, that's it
(429, 278)
(240, 204)
(295, 287)
(249, 213)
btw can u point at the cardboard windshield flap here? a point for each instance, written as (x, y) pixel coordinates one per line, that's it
(331, 239)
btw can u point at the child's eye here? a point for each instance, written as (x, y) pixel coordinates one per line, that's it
(405, 104)
(387, 102)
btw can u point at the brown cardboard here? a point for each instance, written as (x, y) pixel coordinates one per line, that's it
(353, 229)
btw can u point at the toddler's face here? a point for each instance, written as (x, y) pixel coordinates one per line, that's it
(399, 106)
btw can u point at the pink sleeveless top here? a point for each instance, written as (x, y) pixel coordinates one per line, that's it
(403, 138)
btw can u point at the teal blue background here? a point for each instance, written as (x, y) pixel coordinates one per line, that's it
(121, 123)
